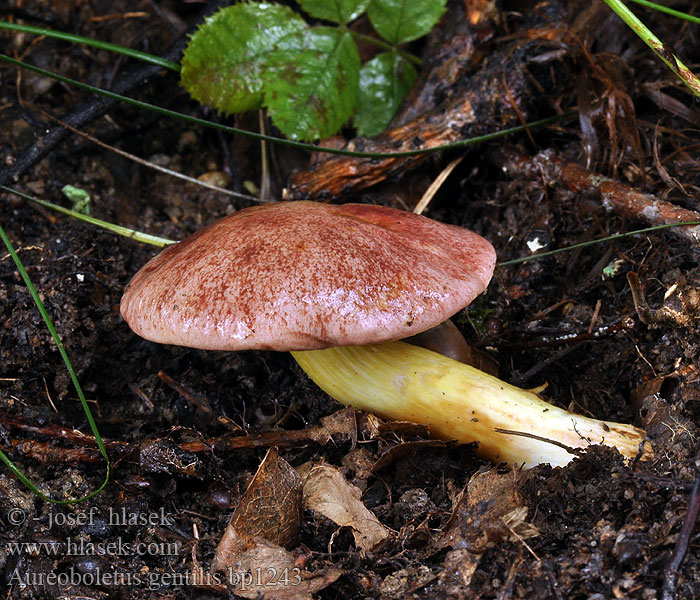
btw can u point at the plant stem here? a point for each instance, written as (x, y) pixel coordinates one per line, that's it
(86, 41)
(657, 46)
(74, 378)
(284, 142)
(138, 236)
(387, 46)
(458, 402)
(669, 11)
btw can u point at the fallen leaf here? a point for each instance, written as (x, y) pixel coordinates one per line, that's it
(326, 491)
(488, 511)
(270, 508)
(164, 455)
(250, 559)
(259, 568)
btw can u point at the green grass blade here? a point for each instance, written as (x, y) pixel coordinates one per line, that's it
(669, 11)
(86, 41)
(657, 46)
(146, 238)
(160, 241)
(615, 236)
(73, 376)
(300, 145)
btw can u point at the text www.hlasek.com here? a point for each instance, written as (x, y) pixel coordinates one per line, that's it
(79, 547)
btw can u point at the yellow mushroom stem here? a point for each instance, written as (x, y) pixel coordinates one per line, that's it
(457, 402)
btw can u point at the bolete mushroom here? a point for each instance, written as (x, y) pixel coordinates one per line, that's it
(338, 286)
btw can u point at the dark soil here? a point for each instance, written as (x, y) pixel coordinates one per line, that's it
(603, 528)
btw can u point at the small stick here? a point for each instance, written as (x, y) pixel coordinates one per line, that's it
(435, 186)
(539, 438)
(613, 195)
(197, 400)
(48, 452)
(521, 380)
(645, 314)
(596, 312)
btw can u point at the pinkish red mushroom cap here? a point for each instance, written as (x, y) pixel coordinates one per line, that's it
(305, 275)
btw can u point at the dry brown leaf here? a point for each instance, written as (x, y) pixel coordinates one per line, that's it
(250, 559)
(259, 568)
(270, 508)
(361, 462)
(326, 491)
(164, 455)
(488, 511)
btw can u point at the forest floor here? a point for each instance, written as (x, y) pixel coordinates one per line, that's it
(187, 430)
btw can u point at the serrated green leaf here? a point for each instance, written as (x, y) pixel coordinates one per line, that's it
(311, 83)
(224, 61)
(384, 81)
(338, 11)
(400, 21)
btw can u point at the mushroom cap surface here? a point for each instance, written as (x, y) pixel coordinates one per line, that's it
(305, 275)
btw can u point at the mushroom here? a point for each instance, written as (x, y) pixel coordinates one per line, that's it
(338, 285)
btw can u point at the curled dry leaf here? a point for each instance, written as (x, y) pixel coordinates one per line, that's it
(259, 568)
(487, 512)
(250, 559)
(270, 507)
(360, 461)
(327, 491)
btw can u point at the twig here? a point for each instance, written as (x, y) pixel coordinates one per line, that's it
(48, 452)
(614, 196)
(507, 588)
(86, 450)
(197, 400)
(521, 380)
(435, 186)
(148, 164)
(640, 301)
(539, 438)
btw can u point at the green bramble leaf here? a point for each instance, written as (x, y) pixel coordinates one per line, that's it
(400, 21)
(338, 11)
(258, 54)
(311, 85)
(384, 81)
(223, 64)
